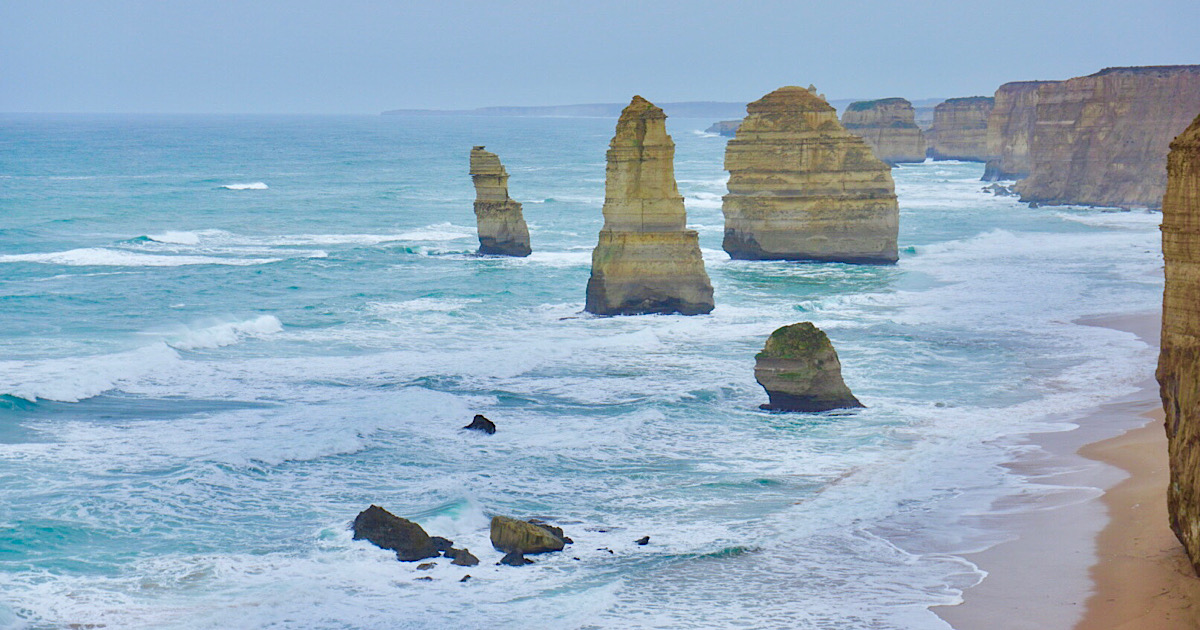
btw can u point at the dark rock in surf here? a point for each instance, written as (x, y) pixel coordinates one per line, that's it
(644, 540)
(480, 423)
(425, 566)
(514, 559)
(388, 531)
(443, 545)
(462, 557)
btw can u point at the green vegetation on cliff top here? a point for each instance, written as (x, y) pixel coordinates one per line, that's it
(796, 341)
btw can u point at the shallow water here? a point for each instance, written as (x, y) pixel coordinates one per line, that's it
(225, 336)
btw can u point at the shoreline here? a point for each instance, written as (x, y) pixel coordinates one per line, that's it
(1093, 519)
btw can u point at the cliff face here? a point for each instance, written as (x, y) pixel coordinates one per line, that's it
(801, 372)
(646, 261)
(1010, 130)
(960, 127)
(502, 229)
(889, 127)
(1179, 362)
(1102, 140)
(803, 188)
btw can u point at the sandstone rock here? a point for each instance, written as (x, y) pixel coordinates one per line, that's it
(960, 127)
(386, 530)
(502, 229)
(803, 188)
(512, 535)
(1010, 130)
(726, 128)
(1179, 362)
(889, 126)
(1102, 140)
(646, 260)
(480, 423)
(800, 371)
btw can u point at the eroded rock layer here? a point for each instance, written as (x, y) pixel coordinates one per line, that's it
(646, 260)
(801, 187)
(502, 229)
(1179, 362)
(889, 127)
(1010, 130)
(801, 372)
(960, 128)
(1102, 140)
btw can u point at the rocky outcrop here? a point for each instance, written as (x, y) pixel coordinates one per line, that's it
(960, 127)
(1010, 130)
(386, 530)
(502, 229)
(646, 260)
(889, 127)
(1102, 140)
(727, 128)
(1179, 362)
(801, 187)
(800, 371)
(513, 536)
(482, 424)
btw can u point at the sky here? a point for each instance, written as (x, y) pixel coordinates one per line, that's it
(350, 56)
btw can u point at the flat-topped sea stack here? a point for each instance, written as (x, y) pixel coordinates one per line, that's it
(801, 187)
(1102, 140)
(725, 128)
(960, 128)
(889, 126)
(647, 261)
(502, 229)
(801, 372)
(1010, 130)
(1179, 362)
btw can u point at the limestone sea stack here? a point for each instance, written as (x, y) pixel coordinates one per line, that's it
(801, 187)
(800, 371)
(889, 126)
(725, 128)
(1010, 130)
(1179, 362)
(502, 229)
(1102, 140)
(646, 260)
(960, 127)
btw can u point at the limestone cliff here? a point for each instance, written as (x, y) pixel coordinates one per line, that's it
(960, 128)
(801, 372)
(889, 126)
(1102, 140)
(1179, 362)
(801, 187)
(725, 128)
(1010, 130)
(646, 260)
(502, 228)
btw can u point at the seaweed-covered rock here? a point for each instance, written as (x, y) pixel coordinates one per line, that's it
(800, 371)
(388, 531)
(510, 534)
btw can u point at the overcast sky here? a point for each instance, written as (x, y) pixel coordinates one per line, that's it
(310, 56)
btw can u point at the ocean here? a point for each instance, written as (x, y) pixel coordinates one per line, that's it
(224, 336)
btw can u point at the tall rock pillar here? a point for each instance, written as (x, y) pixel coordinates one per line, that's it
(803, 188)
(646, 260)
(502, 228)
(1179, 362)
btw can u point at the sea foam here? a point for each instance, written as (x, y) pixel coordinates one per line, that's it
(250, 186)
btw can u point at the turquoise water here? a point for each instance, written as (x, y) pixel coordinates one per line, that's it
(225, 336)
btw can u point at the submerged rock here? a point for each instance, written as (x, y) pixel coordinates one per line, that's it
(1179, 362)
(512, 535)
(646, 260)
(502, 228)
(889, 126)
(801, 187)
(480, 423)
(386, 530)
(800, 371)
(514, 559)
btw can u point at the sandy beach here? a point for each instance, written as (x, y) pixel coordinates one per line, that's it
(1094, 550)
